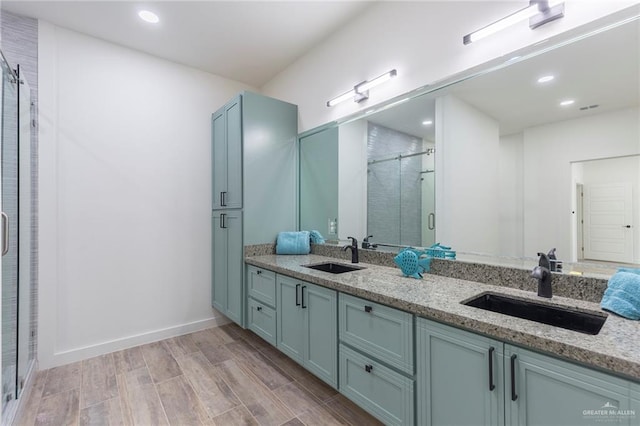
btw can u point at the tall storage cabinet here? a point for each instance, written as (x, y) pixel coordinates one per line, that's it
(253, 188)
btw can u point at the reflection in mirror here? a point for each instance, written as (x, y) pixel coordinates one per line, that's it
(541, 153)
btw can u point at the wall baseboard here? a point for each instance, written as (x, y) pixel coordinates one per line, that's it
(46, 361)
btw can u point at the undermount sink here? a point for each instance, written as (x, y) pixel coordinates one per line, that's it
(582, 322)
(334, 268)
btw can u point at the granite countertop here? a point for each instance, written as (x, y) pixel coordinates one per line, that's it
(615, 349)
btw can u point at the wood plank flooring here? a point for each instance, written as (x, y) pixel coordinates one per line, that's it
(220, 376)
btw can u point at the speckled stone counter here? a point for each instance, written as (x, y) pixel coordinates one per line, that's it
(615, 349)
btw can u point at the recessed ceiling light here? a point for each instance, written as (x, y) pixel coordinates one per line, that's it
(545, 79)
(427, 122)
(567, 102)
(148, 16)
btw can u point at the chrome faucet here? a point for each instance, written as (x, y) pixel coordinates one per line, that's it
(354, 249)
(543, 274)
(367, 245)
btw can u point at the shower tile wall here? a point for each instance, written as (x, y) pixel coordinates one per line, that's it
(20, 46)
(394, 191)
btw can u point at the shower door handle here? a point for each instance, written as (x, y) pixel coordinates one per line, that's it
(5, 233)
(431, 221)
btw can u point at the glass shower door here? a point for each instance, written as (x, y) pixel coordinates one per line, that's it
(9, 207)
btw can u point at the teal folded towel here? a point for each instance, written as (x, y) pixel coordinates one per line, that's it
(293, 242)
(622, 295)
(630, 270)
(316, 237)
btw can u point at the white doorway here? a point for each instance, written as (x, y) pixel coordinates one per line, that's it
(608, 222)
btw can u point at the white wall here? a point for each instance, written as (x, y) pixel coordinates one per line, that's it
(352, 180)
(510, 196)
(422, 40)
(124, 196)
(467, 202)
(548, 152)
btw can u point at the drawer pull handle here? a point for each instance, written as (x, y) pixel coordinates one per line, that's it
(302, 291)
(514, 396)
(367, 308)
(368, 368)
(223, 199)
(259, 308)
(492, 385)
(297, 298)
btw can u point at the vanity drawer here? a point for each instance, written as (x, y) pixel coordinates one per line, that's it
(377, 330)
(386, 394)
(261, 285)
(262, 320)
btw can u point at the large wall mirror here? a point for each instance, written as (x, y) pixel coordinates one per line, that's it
(537, 152)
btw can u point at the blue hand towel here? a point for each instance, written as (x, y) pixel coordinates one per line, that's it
(622, 295)
(293, 243)
(630, 270)
(316, 237)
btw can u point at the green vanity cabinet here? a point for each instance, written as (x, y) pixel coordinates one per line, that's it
(377, 358)
(227, 155)
(467, 379)
(227, 253)
(540, 390)
(261, 303)
(307, 329)
(453, 366)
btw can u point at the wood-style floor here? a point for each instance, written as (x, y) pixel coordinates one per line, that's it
(220, 376)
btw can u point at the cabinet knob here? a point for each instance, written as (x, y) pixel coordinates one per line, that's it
(259, 272)
(367, 308)
(368, 368)
(259, 308)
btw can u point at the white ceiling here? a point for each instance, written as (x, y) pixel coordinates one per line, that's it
(246, 41)
(602, 70)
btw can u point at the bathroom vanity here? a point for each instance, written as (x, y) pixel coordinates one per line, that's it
(411, 352)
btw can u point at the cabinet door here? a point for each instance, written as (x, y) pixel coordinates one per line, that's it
(227, 263)
(634, 416)
(235, 265)
(459, 377)
(233, 113)
(226, 153)
(541, 390)
(219, 263)
(321, 332)
(218, 157)
(290, 317)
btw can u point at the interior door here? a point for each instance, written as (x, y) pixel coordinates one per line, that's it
(608, 222)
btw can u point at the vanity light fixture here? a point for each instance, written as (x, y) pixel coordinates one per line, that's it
(545, 79)
(148, 16)
(539, 12)
(360, 91)
(567, 102)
